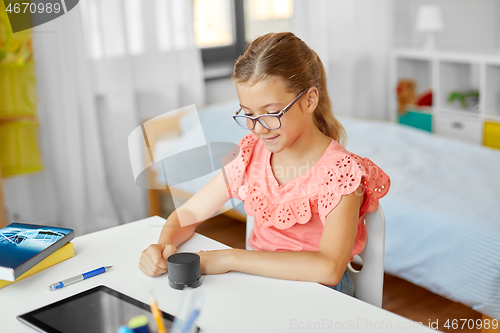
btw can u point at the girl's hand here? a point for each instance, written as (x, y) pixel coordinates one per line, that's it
(153, 260)
(214, 262)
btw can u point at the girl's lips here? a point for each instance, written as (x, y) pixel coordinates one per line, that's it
(271, 139)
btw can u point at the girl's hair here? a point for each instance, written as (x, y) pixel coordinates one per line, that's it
(286, 56)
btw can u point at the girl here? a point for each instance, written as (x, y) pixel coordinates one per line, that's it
(307, 193)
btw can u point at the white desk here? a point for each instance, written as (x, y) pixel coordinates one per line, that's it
(234, 302)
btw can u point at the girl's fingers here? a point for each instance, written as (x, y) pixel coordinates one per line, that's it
(158, 261)
(145, 269)
(151, 266)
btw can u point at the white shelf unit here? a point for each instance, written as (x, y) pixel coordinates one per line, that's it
(492, 91)
(444, 72)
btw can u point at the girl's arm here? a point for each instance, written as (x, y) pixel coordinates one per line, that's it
(325, 266)
(181, 224)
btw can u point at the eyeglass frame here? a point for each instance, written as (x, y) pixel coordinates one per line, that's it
(277, 115)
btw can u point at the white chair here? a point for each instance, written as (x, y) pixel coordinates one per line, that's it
(369, 280)
(249, 230)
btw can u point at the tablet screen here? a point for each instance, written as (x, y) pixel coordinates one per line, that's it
(100, 309)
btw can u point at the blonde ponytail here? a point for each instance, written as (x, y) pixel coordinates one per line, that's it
(323, 115)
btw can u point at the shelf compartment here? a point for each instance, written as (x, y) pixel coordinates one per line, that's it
(460, 77)
(417, 70)
(492, 93)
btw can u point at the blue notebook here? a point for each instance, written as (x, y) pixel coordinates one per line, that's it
(24, 245)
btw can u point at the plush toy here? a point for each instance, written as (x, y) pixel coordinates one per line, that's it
(406, 92)
(425, 98)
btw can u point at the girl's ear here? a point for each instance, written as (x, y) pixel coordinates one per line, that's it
(312, 99)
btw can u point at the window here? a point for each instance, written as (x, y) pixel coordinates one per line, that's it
(223, 28)
(213, 23)
(263, 16)
(219, 31)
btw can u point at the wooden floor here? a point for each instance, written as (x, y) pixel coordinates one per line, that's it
(400, 296)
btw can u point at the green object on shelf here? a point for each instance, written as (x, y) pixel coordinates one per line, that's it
(19, 153)
(463, 96)
(417, 119)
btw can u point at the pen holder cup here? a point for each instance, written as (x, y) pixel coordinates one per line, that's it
(184, 270)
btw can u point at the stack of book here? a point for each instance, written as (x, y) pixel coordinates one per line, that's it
(26, 249)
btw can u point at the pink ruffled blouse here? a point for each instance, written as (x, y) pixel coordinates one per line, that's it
(291, 217)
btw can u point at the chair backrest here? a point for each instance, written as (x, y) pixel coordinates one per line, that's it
(369, 280)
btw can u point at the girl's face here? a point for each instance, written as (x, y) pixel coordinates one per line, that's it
(271, 96)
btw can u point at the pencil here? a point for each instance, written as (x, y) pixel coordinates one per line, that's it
(157, 315)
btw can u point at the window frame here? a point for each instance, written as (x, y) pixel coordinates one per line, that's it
(227, 55)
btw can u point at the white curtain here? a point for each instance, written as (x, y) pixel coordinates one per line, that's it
(102, 69)
(353, 39)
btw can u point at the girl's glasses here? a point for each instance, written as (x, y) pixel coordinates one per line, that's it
(269, 121)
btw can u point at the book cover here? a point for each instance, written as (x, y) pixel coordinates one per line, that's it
(65, 252)
(24, 245)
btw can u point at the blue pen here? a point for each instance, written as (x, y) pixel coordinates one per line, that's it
(78, 278)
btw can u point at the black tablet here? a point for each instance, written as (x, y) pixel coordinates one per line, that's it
(100, 309)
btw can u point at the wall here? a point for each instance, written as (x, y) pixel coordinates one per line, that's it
(469, 25)
(220, 90)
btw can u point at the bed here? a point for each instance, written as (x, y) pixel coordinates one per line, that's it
(442, 211)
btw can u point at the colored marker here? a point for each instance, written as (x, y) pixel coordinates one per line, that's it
(139, 324)
(124, 329)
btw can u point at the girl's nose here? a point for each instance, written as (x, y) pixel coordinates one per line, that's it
(259, 129)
